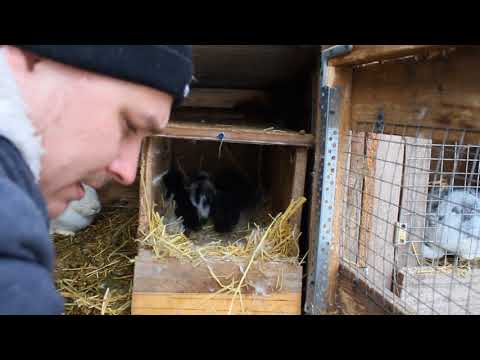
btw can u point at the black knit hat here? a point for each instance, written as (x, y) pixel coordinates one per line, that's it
(167, 68)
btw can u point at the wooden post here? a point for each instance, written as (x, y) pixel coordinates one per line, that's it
(339, 78)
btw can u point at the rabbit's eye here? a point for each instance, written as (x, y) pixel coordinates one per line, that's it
(441, 218)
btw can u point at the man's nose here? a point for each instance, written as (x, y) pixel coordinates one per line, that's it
(124, 168)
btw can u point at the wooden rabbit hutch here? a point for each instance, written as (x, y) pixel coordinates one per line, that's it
(250, 109)
(405, 218)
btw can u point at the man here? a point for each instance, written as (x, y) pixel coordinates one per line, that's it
(71, 114)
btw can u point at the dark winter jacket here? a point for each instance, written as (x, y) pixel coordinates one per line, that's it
(26, 251)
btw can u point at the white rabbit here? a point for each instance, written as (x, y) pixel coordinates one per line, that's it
(78, 215)
(455, 228)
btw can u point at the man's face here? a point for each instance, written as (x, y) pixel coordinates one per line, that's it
(92, 126)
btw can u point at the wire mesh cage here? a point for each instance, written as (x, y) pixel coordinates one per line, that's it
(411, 216)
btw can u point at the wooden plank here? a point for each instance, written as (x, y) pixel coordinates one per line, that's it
(418, 153)
(205, 304)
(298, 183)
(363, 54)
(352, 206)
(385, 179)
(442, 94)
(430, 292)
(172, 276)
(237, 134)
(171, 287)
(224, 98)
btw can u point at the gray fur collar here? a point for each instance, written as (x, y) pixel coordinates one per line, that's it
(14, 122)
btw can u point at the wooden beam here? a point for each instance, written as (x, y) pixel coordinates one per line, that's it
(236, 134)
(364, 54)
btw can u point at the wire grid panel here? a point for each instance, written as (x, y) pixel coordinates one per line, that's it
(411, 217)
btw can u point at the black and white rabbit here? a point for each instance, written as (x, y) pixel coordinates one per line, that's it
(178, 189)
(234, 194)
(202, 195)
(454, 225)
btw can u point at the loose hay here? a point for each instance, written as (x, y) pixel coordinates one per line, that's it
(277, 242)
(94, 270)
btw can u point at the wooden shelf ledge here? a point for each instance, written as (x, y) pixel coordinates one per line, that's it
(363, 54)
(236, 134)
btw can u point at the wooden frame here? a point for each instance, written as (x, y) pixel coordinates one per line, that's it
(439, 93)
(170, 287)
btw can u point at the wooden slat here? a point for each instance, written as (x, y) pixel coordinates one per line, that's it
(299, 177)
(172, 276)
(363, 54)
(414, 198)
(205, 304)
(442, 93)
(237, 134)
(353, 198)
(384, 193)
(224, 98)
